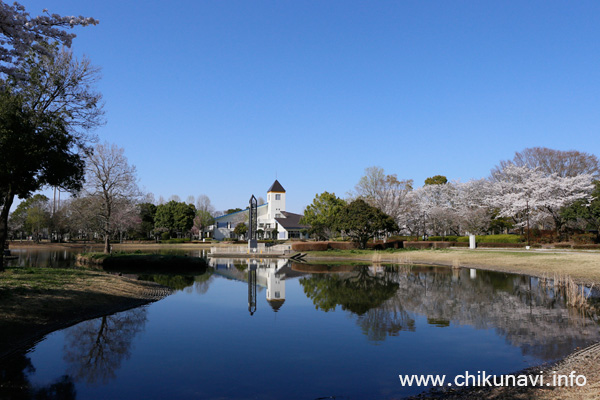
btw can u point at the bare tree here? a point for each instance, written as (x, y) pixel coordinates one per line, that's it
(383, 191)
(549, 161)
(112, 180)
(203, 203)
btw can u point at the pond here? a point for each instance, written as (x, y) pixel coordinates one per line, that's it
(272, 329)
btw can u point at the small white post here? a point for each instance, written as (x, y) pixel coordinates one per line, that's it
(472, 244)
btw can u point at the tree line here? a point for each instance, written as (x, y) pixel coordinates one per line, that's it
(539, 190)
(110, 206)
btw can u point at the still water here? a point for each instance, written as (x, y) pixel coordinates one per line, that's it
(274, 330)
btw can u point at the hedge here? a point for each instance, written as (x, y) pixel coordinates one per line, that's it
(342, 245)
(390, 244)
(310, 246)
(418, 245)
(586, 246)
(459, 244)
(323, 246)
(502, 245)
(562, 246)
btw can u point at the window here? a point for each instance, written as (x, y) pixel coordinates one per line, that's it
(277, 197)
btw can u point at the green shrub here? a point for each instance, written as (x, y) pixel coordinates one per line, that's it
(165, 236)
(498, 239)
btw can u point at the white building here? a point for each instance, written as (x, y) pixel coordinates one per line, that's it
(274, 222)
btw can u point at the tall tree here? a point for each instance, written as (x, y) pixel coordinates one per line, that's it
(436, 180)
(111, 179)
(524, 193)
(147, 212)
(586, 210)
(473, 212)
(361, 222)
(44, 121)
(549, 161)
(174, 217)
(383, 191)
(321, 215)
(33, 215)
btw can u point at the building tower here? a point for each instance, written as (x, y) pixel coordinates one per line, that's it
(275, 201)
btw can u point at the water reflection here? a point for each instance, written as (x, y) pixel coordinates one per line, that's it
(15, 384)
(56, 258)
(260, 274)
(95, 349)
(388, 300)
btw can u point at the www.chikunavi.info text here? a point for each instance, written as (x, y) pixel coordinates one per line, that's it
(482, 379)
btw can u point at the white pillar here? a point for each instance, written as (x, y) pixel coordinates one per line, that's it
(472, 243)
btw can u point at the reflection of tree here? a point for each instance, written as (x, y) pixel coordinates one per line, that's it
(202, 282)
(14, 383)
(94, 349)
(358, 292)
(527, 314)
(176, 282)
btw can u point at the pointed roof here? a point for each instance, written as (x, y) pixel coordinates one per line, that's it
(276, 187)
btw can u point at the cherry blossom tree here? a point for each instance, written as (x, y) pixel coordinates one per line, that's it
(471, 206)
(435, 206)
(524, 194)
(20, 33)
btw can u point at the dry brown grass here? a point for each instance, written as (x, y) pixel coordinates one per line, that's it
(36, 301)
(582, 267)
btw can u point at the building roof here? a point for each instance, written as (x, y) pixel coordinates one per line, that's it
(276, 304)
(276, 187)
(241, 211)
(291, 221)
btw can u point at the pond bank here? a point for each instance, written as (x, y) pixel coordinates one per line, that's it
(583, 267)
(38, 301)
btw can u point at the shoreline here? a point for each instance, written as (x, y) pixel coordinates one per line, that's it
(584, 267)
(27, 315)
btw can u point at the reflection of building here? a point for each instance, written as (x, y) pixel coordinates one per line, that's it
(275, 289)
(270, 276)
(274, 222)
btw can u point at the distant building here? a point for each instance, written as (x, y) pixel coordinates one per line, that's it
(274, 222)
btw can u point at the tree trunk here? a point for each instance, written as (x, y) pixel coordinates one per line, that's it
(8, 200)
(107, 238)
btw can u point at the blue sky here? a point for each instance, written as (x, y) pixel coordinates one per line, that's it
(221, 97)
